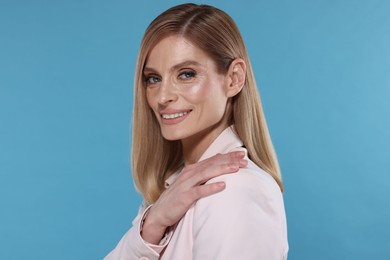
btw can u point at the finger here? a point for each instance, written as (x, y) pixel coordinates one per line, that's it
(205, 190)
(212, 172)
(214, 166)
(226, 158)
(243, 163)
(236, 154)
(218, 159)
(190, 170)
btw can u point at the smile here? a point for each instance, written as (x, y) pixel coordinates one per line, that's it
(174, 115)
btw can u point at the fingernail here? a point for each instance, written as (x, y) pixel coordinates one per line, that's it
(234, 166)
(221, 184)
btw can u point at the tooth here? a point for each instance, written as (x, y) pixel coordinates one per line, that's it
(175, 115)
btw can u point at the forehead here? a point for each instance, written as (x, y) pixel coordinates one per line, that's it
(173, 50)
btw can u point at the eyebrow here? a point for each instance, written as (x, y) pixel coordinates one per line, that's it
(177, 66)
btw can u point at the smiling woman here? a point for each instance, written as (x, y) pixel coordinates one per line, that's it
(190, 98)
(202, 156)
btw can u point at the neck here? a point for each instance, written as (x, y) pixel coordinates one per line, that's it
(196, 145)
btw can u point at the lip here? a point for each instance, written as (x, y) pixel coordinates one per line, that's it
(175, 120)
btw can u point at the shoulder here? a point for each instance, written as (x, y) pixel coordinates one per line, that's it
(248, 189)
(251, 209)
(250, 183)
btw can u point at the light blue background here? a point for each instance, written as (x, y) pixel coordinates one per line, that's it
(66, 70)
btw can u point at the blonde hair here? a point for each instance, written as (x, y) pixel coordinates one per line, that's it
(154, 159)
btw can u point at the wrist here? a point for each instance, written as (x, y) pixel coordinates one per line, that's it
(151, 229)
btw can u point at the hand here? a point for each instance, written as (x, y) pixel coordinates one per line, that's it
(190, 186)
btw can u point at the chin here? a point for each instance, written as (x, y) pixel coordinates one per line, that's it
(172, 135)
(170, 138)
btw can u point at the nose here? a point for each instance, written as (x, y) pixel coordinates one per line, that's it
(166, 93)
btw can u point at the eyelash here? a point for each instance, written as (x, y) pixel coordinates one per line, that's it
(185, 75)
(190, 74)
(150, 77)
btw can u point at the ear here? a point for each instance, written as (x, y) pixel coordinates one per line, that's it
(235, 77)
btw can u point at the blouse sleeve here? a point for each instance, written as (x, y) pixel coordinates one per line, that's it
(245, 221)
(132, 246)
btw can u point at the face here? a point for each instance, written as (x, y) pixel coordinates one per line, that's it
(184, 90)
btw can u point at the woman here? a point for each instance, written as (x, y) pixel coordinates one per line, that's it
(201, 154)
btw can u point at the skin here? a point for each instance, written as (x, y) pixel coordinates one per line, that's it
(191, 102)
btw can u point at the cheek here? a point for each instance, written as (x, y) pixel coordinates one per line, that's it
(200, 91)
(150, 102)
(149, 98)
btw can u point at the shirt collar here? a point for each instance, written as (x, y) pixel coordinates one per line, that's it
(224, 143)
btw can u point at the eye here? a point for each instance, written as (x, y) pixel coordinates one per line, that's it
(187, 75)
(152, 79)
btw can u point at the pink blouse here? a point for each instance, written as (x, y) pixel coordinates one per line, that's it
(245, 221)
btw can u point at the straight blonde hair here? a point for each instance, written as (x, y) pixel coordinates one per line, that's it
(154, 159)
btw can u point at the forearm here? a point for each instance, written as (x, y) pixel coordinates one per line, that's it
(133, 246)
